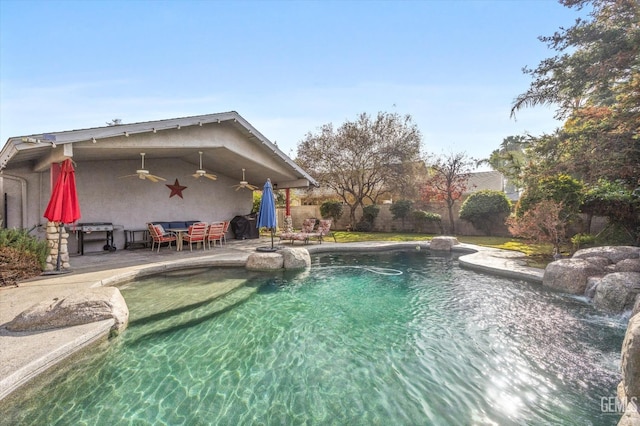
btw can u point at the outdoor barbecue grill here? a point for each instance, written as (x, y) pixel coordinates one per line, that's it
(85, 229)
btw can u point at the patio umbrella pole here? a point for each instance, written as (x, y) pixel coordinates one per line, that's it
(59, 246)
(267, 213)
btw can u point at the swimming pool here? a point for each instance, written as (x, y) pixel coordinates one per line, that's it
(401, 337)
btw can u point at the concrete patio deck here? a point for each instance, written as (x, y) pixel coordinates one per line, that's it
(25, 355)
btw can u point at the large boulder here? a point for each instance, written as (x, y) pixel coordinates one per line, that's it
(599, 261)
(631, 359)
(614, 253)
(86, 306)
(631, 416)
(264, 261)
(570, 275)
(296, 258)
(628, 265)
(636, 306)
(443, 243)
(617, 292)
(592, 285)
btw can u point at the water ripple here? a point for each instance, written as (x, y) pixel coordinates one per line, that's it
(395, 338)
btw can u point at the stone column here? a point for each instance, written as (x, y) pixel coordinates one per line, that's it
(53, 239)
(288, 224)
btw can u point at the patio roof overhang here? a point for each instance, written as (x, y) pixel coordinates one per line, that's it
(260, 157)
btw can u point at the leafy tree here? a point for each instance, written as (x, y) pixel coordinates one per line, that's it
(401, 210)
(363, 159)
(616, 202)
(594, 81)
(595, 57)
(485, 209)
(369, 215)
(257, 199)
(543, 223)
(447, 182)
(510, 158)
(562, 189)
(332, 209)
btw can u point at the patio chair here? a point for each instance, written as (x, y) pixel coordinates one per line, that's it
(303, 235)
(196, 234)
(324, 228)
(159, 236)
(215, 232)
(224, 231)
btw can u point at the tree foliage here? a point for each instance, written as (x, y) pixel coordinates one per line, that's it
(596, 58)
(332, 209)
(616, 202)
(562, 189)
(364, 159)
(485, 209)
(511, 158)
(544, 223)
(422, 218)
(401, 209)
(369, 215)
(447, 181)
(594, 82)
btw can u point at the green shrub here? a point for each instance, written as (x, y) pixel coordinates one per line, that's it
(22, 256)
(561, 189)
(485, 209)
(21, 240)
(331, 209)
(363, 226)
(616, 201)
(583, 240)
(369, 214)
(401, 209)
(422, 218)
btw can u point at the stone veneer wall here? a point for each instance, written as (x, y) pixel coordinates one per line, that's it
(53, 239)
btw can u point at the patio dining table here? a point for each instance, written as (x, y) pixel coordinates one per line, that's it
(179, 233)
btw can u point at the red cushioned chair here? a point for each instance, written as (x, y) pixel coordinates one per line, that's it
(159, 236)
(197, 234)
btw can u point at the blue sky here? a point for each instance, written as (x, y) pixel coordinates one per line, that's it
(288, 67)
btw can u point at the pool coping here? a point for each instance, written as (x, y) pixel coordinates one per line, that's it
(26, 355)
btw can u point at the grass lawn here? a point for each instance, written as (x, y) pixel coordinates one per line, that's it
(537, 255)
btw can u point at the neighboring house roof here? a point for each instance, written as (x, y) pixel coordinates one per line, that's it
(126, 141)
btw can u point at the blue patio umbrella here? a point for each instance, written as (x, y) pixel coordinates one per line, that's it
(267, 212)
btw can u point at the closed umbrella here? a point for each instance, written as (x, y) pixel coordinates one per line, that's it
(267, 212)
(63, 206)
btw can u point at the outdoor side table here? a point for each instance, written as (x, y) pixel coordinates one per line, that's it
(136, 237)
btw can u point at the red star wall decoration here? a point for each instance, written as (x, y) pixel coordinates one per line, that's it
(176, 189)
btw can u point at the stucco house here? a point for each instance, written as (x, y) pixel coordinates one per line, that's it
(492, 180)
(104, 155)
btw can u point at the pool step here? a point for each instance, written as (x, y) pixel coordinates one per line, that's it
(187, 316)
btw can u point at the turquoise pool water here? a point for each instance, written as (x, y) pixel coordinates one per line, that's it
(402, 338)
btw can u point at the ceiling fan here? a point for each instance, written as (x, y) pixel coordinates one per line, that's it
(142, 173)
(244, 184)
(200, 172)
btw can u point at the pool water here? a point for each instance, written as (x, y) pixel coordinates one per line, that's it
(360, 339)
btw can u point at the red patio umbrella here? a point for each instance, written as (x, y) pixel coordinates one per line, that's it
(63, 206)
